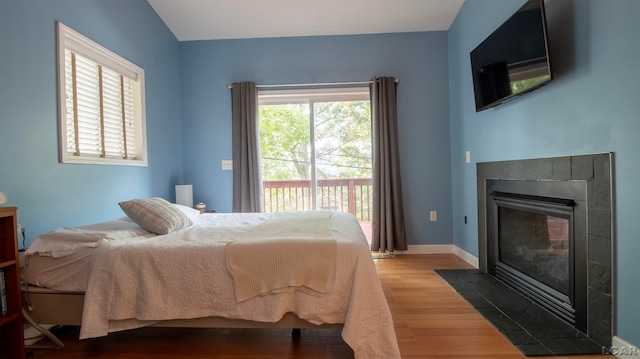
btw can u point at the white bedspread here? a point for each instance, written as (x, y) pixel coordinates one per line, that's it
(136, 281)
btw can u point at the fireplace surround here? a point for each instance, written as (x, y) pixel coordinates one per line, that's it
(576, 191)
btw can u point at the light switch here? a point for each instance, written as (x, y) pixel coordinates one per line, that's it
(227, 165)
(468, 156)
(433, 215)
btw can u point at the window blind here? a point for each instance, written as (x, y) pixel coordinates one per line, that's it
(99, 106)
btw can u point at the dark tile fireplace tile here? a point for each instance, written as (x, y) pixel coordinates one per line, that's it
(582, 167)
(561, 168)
(519, 337)
(599, 249)
(534, 349)
(543, 324)
(600, 279)
(476, 299)
(537, 169)
(499, 319)
(533, 330)
(502, 296)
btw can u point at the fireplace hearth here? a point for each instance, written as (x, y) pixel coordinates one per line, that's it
(545, 229)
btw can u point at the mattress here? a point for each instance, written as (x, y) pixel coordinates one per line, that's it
(66, 274)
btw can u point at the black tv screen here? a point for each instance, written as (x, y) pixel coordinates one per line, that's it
(514, 59)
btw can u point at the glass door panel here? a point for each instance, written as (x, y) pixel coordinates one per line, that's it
(285, 144)
(316, 154)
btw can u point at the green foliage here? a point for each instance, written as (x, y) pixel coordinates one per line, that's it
(519, 86)
(284, 141)
(342, 140)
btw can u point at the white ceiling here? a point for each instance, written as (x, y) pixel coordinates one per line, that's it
(236, 19)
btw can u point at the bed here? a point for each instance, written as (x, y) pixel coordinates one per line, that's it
(213, 270)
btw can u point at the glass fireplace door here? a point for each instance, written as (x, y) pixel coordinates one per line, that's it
(535, 244)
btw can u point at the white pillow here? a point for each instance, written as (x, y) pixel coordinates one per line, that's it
(192, 213)
(155, 215)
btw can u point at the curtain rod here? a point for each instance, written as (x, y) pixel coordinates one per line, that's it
(312, 84)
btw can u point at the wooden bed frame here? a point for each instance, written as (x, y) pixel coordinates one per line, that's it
(46, 306)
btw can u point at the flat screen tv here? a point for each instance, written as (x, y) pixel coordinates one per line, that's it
(514, 59)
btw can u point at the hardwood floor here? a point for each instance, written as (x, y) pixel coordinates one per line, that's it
(431, 320)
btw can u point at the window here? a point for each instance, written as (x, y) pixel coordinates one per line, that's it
(101, 104)
(316, 151)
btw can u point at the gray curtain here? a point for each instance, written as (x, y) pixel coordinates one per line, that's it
(388, 214)
(247, 182)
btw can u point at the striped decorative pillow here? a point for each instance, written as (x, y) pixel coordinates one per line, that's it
(155, 214)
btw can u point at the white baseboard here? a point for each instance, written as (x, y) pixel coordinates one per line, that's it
(441, 249)
(466, 256)
(623, 349)
(428, 249)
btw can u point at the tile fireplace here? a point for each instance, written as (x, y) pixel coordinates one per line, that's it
(545, 229)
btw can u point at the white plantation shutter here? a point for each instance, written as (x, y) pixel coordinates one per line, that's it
(113, 96)
(129, 128)
(102, 118)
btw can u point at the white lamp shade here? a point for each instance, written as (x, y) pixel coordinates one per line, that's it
(3, 198)
(184, 195)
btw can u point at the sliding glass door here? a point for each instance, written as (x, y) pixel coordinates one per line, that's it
(316, 151)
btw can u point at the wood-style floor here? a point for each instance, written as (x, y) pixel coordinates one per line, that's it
(431, 320)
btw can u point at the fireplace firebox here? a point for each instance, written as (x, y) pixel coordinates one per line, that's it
(537, 243)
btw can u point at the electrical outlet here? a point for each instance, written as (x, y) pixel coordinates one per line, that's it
(227, 165)
(433, 216)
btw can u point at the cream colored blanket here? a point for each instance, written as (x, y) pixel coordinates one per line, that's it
(291, 251)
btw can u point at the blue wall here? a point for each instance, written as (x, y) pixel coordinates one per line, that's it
(52, 195)
(419, 60)
(592, 106)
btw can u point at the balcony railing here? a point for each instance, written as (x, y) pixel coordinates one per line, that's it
(353, 195)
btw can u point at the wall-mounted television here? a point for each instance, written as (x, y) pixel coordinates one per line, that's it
(514, 59)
